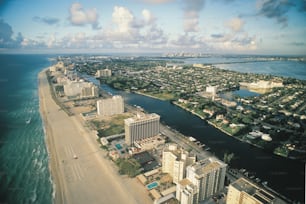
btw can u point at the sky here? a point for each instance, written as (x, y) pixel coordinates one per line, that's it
(162, 26)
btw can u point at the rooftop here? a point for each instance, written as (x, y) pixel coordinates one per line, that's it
(207, 165)
(141, 117)
(185, 182)
(255, 191)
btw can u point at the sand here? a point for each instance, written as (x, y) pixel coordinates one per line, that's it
(91, 178)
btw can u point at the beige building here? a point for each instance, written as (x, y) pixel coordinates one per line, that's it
(110, 106)
(208, 176)
(212, 90)
(81, 89)
(243, 191)
(90, 92)
(175, 160)
(104, 73)
(57, 67)
(186, 192)
(140, 127)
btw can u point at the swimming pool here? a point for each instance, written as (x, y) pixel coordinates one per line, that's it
(118, 146)
(152, 185)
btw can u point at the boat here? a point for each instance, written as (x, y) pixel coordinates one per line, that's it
(264, 183)
(207, 149)
(242, 170)
(28, 121)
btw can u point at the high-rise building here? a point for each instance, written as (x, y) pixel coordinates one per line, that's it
(175, 160)
(140, 127)
(104, 73)
(186, 192)
(110, 106)
(81, 89)
(89, 92)
(244, 191)
(208, 176)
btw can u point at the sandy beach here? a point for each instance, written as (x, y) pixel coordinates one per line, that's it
(91, 178)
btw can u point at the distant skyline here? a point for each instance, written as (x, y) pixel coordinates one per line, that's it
(100, 26)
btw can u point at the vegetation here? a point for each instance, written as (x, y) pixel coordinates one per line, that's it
(111, 125)
(129, 167)
(112, 130)
(227, 157)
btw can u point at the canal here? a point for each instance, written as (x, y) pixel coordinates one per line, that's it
(283, 175)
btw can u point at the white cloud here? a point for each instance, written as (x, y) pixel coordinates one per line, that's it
(148, 16)
(128, 30)
(234, 42)
(156, 1)
(235, 24)
(79, 16)
(187, 41)
(191, 21)
(192, 10)
(51, 41)
(123, 18)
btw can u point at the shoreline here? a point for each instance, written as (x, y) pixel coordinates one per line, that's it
(89, 177)
(52, 160)
(141, 93)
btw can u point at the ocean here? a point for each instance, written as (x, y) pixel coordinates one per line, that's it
(24, 172)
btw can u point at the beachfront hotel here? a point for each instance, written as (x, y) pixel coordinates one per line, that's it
(208, 176)
(81, 89)
(244, 191)
(110, 106)
(141, 127)
(175, 160)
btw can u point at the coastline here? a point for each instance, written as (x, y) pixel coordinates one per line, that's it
(89, 178)
(56, 184)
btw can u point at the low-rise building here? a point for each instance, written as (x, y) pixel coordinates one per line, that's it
(150, 143)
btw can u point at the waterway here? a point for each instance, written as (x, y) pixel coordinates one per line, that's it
(248, 65)
(284, 175)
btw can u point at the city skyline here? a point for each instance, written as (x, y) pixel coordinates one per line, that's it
(223, 26)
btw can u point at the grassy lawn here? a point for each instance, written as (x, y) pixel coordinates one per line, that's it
(111, 125)
(112, 130)
(129, 167)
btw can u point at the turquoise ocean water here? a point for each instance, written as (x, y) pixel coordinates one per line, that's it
(24, 172)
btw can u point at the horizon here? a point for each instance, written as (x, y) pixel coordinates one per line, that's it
(259, 27)
(151, 54)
